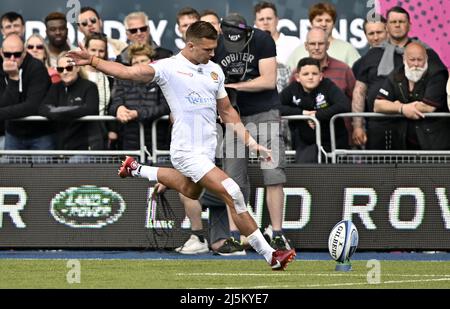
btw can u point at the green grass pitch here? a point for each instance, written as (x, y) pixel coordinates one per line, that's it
(223, 274)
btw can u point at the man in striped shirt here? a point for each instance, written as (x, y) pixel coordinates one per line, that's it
(340, 73)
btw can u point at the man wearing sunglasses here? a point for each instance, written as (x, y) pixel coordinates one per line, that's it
(10, 22)
(68, 100)
(89, 22)
(138, 31)
(24, 81)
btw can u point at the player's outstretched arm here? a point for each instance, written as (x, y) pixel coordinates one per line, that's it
(142, 73)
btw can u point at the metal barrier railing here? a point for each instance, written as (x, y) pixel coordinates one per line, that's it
(318, 134)
(157, 152)
(336, 152)
(140, 152)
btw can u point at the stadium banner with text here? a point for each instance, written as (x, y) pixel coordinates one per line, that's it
(429, 21)
(85, 206)
(162, 17)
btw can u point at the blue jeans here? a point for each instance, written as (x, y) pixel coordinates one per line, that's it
(79, 159)
(45, 142)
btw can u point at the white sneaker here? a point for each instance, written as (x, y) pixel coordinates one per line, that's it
(193, 246)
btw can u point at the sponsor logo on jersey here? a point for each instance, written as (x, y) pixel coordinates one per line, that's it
(196, 99)
(184, 73)
(321, 102)
(214, 76)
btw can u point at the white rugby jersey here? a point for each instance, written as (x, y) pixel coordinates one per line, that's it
(191, 91)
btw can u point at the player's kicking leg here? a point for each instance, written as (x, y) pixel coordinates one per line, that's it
(218, 182)
(169, 177)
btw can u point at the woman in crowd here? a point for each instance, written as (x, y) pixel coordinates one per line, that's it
(37, 48)
(68, 100)
(97, 45)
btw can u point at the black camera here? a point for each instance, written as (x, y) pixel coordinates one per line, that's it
(231, 78)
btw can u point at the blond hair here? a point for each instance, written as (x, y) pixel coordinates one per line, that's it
(46, 51)
(138, 49)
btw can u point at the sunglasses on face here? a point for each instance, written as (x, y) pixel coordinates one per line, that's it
(85, 22)
(135, 30)
(68, 68)
(8, 55)
(40, 47)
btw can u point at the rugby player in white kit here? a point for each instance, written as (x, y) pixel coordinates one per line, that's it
(194, 89)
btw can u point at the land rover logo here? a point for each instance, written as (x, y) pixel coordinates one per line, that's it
(87, 207)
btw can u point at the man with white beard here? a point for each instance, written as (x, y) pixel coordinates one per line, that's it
(373, 69)
(412, 90)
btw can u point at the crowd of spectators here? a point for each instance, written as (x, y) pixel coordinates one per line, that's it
(25, 90)
(279, 75)
(36, 80)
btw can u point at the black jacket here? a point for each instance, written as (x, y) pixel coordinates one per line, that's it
(64, 104)
(149, 102)
(17, 103)
(328, 100)
(430, 133)
(366, 71)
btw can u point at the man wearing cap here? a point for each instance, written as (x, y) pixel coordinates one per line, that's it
(248, 58)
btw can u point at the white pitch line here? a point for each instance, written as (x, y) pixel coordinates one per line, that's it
(334, 284)
(366, 283)
(261, 287)
(311, 274)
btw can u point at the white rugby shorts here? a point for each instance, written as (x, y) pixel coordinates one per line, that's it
(192, 165)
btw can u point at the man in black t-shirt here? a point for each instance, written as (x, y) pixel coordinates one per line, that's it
(248, 58)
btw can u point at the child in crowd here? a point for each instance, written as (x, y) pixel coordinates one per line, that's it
(312, 95)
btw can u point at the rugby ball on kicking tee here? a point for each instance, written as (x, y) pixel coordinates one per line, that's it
(343, 241)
